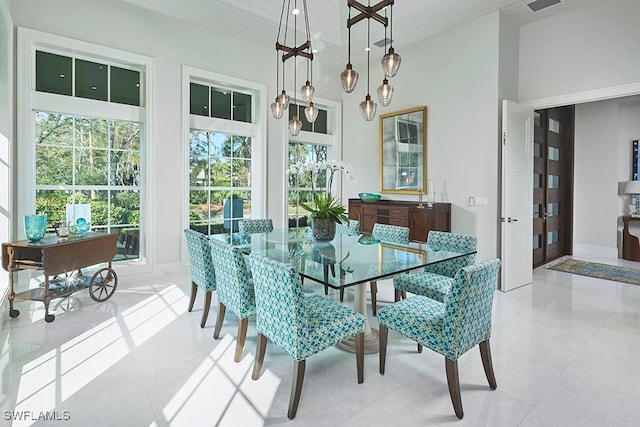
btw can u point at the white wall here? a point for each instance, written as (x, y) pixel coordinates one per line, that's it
(604, 131)
(585, 48)
(588, 53)
(173, 43)
(455, 74)
(6, 134)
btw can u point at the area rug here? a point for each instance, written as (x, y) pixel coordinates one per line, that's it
(600, 271)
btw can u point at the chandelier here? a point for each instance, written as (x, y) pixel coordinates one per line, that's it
(390, 60)
(283, 53)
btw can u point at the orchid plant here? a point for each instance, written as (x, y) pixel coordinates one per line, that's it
(325, 205)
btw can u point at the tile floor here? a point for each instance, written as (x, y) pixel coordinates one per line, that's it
(566, 352)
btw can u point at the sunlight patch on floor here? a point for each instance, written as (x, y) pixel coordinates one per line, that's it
(222, 392)
(50, 379)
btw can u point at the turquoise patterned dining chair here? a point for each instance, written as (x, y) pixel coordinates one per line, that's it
(202, 272)
(391, 234)
(352, 228)
(235, 290)
(250, 226)
(435, 282)
(450, 328)
(301, 326)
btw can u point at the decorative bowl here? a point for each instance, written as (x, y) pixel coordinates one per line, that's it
(369, 197)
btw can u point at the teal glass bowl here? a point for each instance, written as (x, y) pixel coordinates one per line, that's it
(369, 197)
(35, 227)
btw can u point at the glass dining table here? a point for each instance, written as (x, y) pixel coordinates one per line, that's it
(346, 261)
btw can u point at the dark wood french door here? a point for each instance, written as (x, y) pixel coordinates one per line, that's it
(552, 184)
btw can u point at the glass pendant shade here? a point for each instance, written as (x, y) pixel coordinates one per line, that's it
(294, 126)
(385, 93)
(391, 63)
(311, 113)
(276, 108)
(284, 100)
(307, 91)
(368, 108)
(349, 78)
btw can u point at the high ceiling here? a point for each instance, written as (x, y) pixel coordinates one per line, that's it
(257, 21)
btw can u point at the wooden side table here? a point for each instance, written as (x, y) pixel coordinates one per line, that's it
(630, 243)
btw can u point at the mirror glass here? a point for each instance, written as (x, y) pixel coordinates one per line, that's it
(403, 151)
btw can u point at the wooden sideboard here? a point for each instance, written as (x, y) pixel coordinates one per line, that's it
(403, 213)
(630, 243)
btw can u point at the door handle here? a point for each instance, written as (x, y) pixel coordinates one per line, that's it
(512, 219)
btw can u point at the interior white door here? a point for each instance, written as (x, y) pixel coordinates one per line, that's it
(517, 195)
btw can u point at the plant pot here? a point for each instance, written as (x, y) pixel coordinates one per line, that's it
(324, 229)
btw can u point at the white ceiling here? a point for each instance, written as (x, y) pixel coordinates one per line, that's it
(257, 21)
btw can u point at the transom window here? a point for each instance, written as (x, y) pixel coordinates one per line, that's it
(64, 75)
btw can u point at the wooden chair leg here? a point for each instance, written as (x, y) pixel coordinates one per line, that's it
(296, 387)
(242, 336)
(485, 354)
(374, 293)
(383, 333)
(451, 366)
(219, 320)
(404, 294)
(326, 289)
(360, 357)
(261, 347)
(397, 295)
(207, 305)
(194, 291)
(341, 294)
(419, 348)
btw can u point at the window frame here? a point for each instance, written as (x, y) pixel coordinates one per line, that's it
(332, 140)
(29, 100)
(257, 130)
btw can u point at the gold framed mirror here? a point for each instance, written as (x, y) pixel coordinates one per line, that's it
(403, 151)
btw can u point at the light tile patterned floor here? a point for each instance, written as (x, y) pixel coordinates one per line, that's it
(565, 350)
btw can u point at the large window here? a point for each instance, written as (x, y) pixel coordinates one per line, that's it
(223, 150)
(219, 180)
(83, 126)
(300, 189)
(82, 161)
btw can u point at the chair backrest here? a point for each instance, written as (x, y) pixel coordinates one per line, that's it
(390, 233)
(235, 288)
(248, 226)
(280, 303)
(467, 318)
(441, 240)
(202, 271)
(352, 228)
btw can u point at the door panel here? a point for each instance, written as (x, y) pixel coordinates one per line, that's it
(517, 170)
(553, 184)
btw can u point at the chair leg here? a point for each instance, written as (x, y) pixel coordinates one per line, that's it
(360, 357)
(261, 347)
(404, 294)
(242, 336)
(485, 353)
(341, 294)
(383, 333)
(194, 291)
(451, 366)
(205, 313)
(397, 295)
(374, 293)
(219, 320)
(326, 289)
(296, 387)
(419, 348)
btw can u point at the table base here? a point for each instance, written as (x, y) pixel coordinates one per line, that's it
(371, 342)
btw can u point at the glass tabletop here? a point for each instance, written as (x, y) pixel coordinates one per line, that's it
(344, 261)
